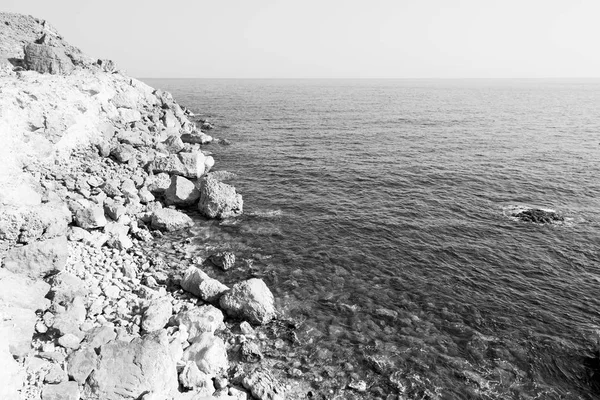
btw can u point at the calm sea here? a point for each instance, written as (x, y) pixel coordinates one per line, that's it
(377, 213)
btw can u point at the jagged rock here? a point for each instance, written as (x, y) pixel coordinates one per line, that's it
(145, 195)
(90, 217)
(173, 144)
(263, 385)
(251, 351)
(192, 378)
(11, 375)
(77, 234)
(200, 320)
(69, 341)
(251, 300)
(69, 319)
(21, 291)
(200, 284)
(219, 200)
(47, 59)
(134, 138)
(117, 236)
(62, 391)
(157, 315)
(28, 223)
(189, 165)
(128, 115)
(111, 188)
(81, 363)
(170, 220)
(224, 260)
(55, 374)
(158, 183)
(66, 286)
(16, 328)
(539, 216)
(100, 336)
(209, 354)
(181, 192)
(129, 190)
(128, 370)
(39, 258)
(170, 121)
(114, 209)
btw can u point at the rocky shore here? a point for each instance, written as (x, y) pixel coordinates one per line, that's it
(95, 165)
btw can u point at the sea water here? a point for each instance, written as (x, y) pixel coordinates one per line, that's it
(378, 214)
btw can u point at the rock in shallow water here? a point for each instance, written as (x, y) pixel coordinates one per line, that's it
(263, 385)
(170, 220)
(219, 200)
(251, 300)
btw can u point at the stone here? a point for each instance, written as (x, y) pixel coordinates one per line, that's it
(55, 374)
(66, 286)
(114, 209)
(219, 200)
(90, 217)
(181, 192)
(81, 363)
(100, 336)
(22, 291)
(127, 370)
(62, 391)
(192, 378)
(251, 300)
(209, 354)
(111, 187)
(77, 234)
(157, 315)
(224, 260)
(158, 183)
(200, 320)
(173, 144)
(129, 115)
(170, 121)
(251, 352)
(196, 138)
(112, 292)
(69, 341)
(189, 165)
(38, 259)
(117, 236)
(145, 195)
(47, 59)
(134, 138)
(12, 376)
(263, 385)
(195, 281)
(170, 220)
(68, 320)
(123, 153)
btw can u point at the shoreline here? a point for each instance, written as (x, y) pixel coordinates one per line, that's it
(97, 165)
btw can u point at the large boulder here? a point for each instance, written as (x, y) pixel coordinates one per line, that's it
(200, 320)
(218, 199)
(47, 59)
(16, 328)
(189, 165)
(90, 217)
(170, 220)
(38, 259)
(251, 300)
(209, 354)
(129, 370)
(22, 291)
(198, 283)
(181, 192)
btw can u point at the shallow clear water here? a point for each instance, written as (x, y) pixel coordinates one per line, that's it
(376, 212)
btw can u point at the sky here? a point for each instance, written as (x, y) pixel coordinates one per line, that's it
(332, 38)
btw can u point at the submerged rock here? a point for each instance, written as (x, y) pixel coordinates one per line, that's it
(539, 216)
(224, 260)
(263, 385)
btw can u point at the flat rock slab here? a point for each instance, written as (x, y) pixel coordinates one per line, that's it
(170, 220)
(129, 370)
(39, 258)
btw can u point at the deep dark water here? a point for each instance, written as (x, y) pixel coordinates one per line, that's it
(377, 213)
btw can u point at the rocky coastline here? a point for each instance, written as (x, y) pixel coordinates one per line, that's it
(96, 165)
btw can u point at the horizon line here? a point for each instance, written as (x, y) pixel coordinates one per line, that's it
(396, 79)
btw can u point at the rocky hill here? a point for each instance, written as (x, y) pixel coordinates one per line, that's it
(96, 164)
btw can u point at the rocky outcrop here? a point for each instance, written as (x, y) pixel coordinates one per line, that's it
(539, 216)
(219, 200)
(47, 59)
